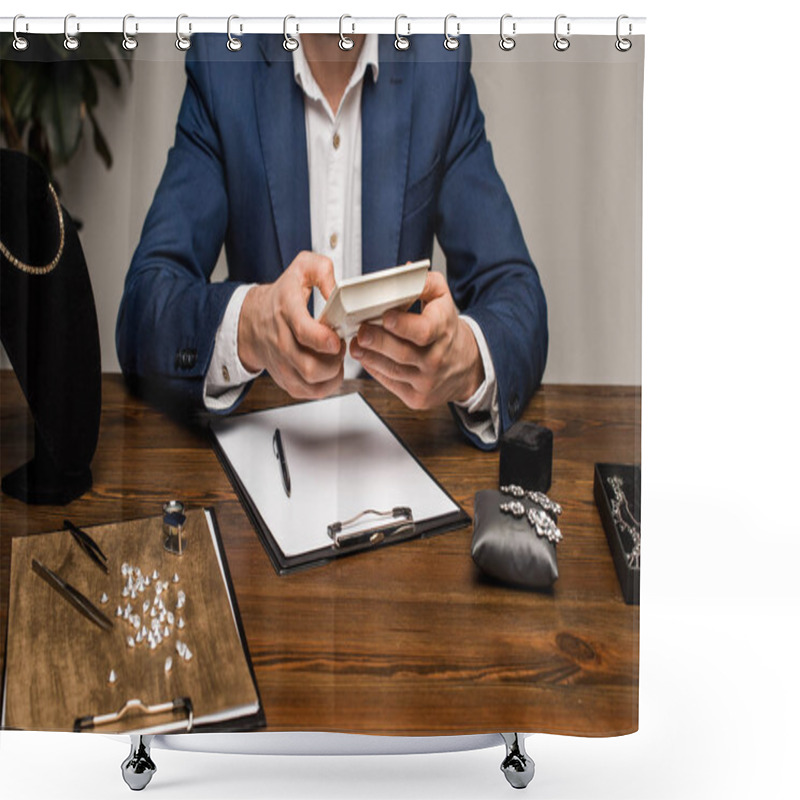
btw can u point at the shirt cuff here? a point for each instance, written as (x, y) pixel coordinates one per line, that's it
(481, 413)
(226, 376)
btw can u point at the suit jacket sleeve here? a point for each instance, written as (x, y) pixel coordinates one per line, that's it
(489, 270)
(170, 311)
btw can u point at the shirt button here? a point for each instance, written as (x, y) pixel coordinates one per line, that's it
(226, 376)
(336, 141)
(334, 240)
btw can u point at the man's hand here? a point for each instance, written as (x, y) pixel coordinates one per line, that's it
(425, 359)
(277, 333)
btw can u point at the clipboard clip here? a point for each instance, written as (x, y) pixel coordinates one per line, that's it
(178, 704)
(350, 532)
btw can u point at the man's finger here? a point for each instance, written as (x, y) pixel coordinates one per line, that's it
(419, 329)
(310, 333)
(403, 390)
(302, 390)
(375, 362)
(435, 286)
(376, 339)
(313, 367)
(317, 270)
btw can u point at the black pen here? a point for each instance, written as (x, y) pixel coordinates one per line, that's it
(277, 448)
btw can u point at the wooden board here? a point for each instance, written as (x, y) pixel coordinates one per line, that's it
(58, 662)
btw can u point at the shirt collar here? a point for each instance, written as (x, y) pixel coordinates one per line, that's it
(368, 58)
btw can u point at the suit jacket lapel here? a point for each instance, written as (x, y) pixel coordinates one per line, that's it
(385, 138)
(282, 131)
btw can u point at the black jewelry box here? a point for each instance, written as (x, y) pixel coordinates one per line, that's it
(526, 457)
(627, 560)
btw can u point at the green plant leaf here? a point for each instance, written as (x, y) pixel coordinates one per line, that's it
(96, 52)
(100, 144)
(90, 94)
(60, 111)
(19, 85)
(49, 97)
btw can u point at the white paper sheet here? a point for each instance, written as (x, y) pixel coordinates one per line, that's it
(342, 460)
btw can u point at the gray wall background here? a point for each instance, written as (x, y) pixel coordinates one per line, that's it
(566, 134)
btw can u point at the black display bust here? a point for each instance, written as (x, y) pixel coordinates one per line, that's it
(49, 329)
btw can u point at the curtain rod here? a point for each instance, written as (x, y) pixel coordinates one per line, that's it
(512, 26)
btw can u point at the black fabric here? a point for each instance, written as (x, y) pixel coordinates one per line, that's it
(49, 327)
(509, 549)
(526, 457)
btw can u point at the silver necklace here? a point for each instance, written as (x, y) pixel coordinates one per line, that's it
(625, 521)
(537, 516)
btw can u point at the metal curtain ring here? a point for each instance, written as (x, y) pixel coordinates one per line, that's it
(128, 42)
(233, 43)
(182, 42)
(70, 42)
(451, 42)
(345, 42)
(289, 42)
(401, 42)
(623, 45)
(561, 43)
(20, 42)
(507, 42)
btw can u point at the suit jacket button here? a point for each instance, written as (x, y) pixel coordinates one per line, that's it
(191, 358)
(513, 406)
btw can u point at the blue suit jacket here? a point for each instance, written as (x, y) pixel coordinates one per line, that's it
(238, 175)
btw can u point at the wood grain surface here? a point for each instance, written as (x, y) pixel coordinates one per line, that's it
(410, 639)
(58, 662)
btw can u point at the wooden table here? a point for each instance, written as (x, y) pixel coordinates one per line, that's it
(409, 639)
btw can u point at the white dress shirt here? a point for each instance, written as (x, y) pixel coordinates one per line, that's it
(334, 181)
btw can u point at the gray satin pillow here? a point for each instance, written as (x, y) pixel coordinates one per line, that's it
(509, 549)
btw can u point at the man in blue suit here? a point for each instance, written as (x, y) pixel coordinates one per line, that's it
(317, 165)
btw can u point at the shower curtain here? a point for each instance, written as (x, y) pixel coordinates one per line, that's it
(195, 178)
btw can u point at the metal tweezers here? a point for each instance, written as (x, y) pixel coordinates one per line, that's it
(88, 545)
(82, 603)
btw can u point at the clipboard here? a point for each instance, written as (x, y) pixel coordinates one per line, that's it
(355, 486)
